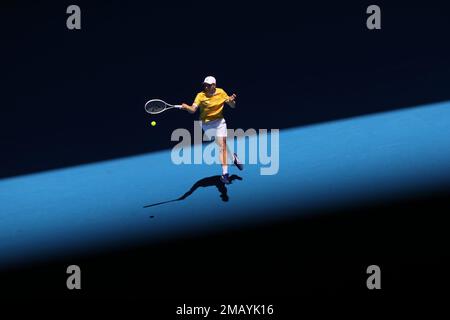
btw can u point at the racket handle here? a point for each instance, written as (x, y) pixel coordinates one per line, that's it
(178, 106)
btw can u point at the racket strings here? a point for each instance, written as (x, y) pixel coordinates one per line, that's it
(155, 106)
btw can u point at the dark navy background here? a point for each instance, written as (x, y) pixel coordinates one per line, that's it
(72, 97)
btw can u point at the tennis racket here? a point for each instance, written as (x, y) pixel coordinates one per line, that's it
(156, 106)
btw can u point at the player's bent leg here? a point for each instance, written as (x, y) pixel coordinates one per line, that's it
(232, 158)
(237, 162)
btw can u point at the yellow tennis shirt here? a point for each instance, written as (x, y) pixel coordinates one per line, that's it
(211, 107)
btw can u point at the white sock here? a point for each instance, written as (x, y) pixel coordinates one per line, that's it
(224, 170)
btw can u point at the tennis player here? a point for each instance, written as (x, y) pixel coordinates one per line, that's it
(211, 102)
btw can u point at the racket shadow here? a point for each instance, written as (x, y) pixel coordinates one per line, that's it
(213, 181)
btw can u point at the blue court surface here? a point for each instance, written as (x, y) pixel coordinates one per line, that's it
(111, 204)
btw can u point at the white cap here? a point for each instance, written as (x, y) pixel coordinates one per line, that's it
(209, 80)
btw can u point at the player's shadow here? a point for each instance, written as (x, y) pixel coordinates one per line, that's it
(213, 181)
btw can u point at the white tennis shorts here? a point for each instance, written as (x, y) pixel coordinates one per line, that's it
(215, 128)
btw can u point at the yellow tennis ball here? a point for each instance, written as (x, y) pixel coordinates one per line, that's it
(153, 123)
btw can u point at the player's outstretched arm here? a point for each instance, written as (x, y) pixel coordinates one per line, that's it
(189, 108)
(232, 101)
